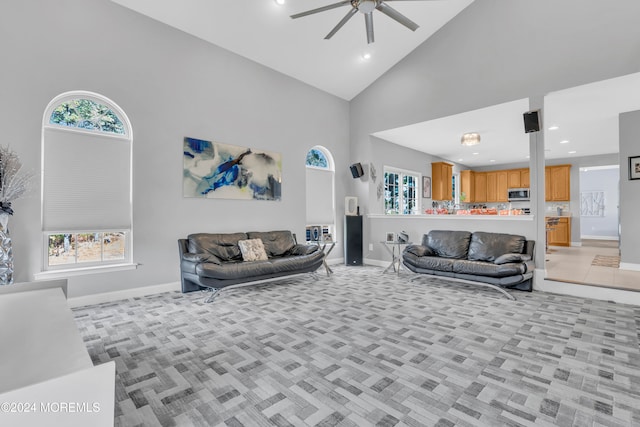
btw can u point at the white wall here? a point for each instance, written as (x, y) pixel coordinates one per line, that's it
(629, 192)
(171, 85)
(606, 181)
(497, 51)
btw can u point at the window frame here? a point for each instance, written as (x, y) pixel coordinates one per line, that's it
(401, 200)
(330, 228)
(76, 268)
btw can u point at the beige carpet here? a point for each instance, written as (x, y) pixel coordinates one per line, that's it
(606, 261)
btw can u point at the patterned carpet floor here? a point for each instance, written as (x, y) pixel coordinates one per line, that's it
(362, 348)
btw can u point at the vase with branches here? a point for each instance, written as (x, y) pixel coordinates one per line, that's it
(14, 183)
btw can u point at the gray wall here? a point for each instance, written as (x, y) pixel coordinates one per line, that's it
(497, 51)
(171, 85)
(629, 190)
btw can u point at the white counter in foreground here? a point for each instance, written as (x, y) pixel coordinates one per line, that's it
(47, 376)
(457, 217)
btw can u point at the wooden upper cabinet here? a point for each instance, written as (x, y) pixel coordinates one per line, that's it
(558, 183)
(502, 185)
(524, 178)
(441, 184)
(492, 186)
(513, 178)
(547, 184)
(481, 187)
(467, 186)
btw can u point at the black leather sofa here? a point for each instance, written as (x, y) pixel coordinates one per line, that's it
(214, 261)
(490, 259)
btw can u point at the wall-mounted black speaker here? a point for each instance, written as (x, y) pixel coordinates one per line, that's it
(531, 121)
(356, 170)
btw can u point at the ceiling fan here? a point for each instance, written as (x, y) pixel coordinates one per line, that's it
(365, 7)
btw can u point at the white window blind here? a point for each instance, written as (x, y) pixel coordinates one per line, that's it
(320, 203)
(87, 181)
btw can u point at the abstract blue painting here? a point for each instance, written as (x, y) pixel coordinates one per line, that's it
(220, 171)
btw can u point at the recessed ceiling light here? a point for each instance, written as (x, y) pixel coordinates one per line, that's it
(280, 2)
(554, 127)
(566, 141)
(475, 154)
(366, 56)
(460, 160)
(572, 152)
(492, 160)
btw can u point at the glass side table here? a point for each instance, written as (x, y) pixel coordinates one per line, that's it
(396, 258)
(326, 246)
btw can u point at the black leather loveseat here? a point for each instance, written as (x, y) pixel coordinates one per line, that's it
(491, 259)
(215, 261)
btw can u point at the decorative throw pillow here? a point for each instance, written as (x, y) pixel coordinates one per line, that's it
(252, 250)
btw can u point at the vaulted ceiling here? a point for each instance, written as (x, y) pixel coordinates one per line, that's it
(262, 30)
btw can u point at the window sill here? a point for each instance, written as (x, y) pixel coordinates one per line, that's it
(56, 274)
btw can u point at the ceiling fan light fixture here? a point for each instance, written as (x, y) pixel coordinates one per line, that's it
(471, 138)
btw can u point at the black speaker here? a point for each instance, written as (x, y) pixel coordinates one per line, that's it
(356, 170)
(531, 121)
(353, 237)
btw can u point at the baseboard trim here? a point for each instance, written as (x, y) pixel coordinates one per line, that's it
(599, 237)
(120, 295)
(376, 262)
(576, 244)
(335, 261)
(629, 266)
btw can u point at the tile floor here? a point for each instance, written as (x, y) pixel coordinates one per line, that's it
(573, 264)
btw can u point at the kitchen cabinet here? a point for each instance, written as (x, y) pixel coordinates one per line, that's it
(557, 183)
(513, 178)
(480, 193)
(502, 185)
(560, 234)
(524, 178)
(518, 178)
(497, 182)
(492, 187)
(441, 184)
(467, 186)
(483, 187)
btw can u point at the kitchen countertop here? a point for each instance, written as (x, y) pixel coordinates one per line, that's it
(456, 217)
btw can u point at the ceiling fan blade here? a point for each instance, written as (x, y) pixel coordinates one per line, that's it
(321, 9)
(397, 16)
(368, 20)
(343, 21)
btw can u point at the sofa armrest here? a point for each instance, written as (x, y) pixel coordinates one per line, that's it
(419, 250)
(300, 249)
(198, 258)
(506, 258)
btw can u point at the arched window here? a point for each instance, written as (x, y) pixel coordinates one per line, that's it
(86, 183)
(317, 158)
(320, 194)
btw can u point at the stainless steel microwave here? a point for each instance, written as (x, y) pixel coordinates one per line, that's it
(518, 194)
